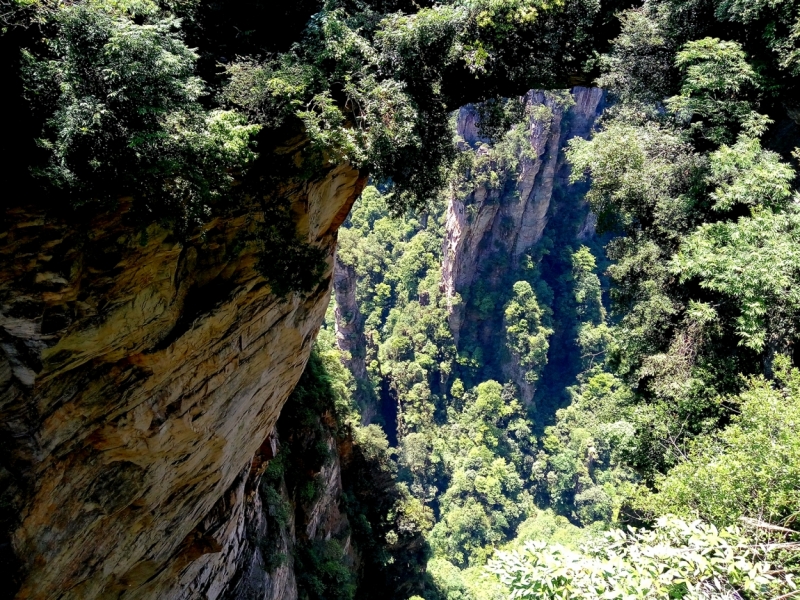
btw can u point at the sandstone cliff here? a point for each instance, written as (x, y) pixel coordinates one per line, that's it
(257, 562)
(489, 232)
(139, 379)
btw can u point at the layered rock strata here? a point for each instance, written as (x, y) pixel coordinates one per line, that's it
(139, 376)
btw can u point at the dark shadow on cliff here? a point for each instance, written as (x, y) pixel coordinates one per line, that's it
(363, 546)
(567, 213)
(387, 403)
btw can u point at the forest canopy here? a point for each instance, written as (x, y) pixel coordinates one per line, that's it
(667, 465)
(679, 421)
(185, 105)
(164, 100)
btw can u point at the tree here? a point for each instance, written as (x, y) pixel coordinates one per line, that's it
(526, 336)
(751, 468)
(123, 112)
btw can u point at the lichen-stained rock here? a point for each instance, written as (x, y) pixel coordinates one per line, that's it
(139, 375)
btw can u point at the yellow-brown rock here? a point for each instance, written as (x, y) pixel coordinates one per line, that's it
(139, 376)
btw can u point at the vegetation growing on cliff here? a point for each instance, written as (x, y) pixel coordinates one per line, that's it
(377, 548)
(189, 107)
(685, 394)
(684, 399)
(469, 450)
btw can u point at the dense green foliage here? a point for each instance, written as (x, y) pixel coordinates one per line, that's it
(703, 271)
(385, 523)
(117, 86)
(467, 450)
(673, 560)
(749, 468)
(483, 448)
(526, 338)
(677, 397)
(703, 277)
(168, 101)
(684, 396)
(460, 449)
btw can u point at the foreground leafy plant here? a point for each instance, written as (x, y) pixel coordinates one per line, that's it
(676, 559)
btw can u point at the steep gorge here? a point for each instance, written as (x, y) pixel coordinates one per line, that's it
(467, 317)
(158, 493)
(174, 421)
(490, 238)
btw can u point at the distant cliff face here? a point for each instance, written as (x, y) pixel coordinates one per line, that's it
(139, 380)
(489, 232)
(350, 337)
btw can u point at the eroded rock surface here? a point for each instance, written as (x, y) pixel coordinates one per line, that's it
(139, 376)
(490, 231)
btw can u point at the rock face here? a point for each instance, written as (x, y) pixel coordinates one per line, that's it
(489, 232)
(236, 567)
(244, 566)
(350, 336)
(349, 320)
(139, 380)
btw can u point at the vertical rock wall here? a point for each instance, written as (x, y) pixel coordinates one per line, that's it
(491, 230)
(349, 322)
(139, 376)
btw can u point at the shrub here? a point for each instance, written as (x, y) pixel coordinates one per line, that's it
(677, 559)
(123, 115)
